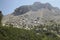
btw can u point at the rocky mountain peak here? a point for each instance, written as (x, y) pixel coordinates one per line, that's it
(37, 3)
(47, 4)
(36, 6)
(35, 14)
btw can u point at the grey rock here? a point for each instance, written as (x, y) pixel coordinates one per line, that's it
(32, 15)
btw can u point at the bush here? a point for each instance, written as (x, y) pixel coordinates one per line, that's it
(11, 33)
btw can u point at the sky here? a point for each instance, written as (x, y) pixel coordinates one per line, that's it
(8, 6)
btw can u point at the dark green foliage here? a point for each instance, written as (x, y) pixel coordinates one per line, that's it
(1, 15)
(11, 33)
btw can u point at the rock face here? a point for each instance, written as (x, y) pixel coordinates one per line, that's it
(32, 15)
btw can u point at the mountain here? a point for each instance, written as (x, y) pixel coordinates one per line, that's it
(36, 6)
(27, 16)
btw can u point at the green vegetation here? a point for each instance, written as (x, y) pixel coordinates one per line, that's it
(1, 15)
(11, 33)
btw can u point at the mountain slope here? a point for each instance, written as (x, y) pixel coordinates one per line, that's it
(32, 15)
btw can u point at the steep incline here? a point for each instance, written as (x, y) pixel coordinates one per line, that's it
(28, 15)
